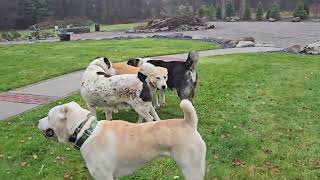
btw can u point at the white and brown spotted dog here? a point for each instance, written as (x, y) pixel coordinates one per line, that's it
(101, 88)
(113, 149)
(153, 80)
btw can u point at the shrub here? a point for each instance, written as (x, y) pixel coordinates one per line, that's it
(300, 11)
(268, 14)
(10, 35)
(247, 13)
(259, 12)
(229, 9)
(275, 11)
(306, 4)
(218, 13)
(207, 11)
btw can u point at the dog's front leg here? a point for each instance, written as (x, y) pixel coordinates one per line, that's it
(154, 114)
(162, 97)
(108, 113)
(92, 109)
(154, 97)
(143, 114)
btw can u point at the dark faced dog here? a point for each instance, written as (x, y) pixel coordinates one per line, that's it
(182, 76)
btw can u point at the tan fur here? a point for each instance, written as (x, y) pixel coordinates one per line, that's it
(122, 68)
(118, 148)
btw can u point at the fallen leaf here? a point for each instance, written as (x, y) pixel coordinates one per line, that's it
(215, 156)
(215, 178)
(316, 164)
(275, 172)
(29, 138)
(238, 162)
(23, 164)
(34, 156)
(176, 177)
(66, 177)
(22, 141)
(68, 149)
(1, 155)
(222, 136)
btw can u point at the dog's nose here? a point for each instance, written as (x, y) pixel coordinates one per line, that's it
(163, 87)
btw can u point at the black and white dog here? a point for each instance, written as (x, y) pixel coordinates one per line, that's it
(182, 75)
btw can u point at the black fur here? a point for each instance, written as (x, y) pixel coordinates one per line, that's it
(142, 77)
(104, 74)
(133, 62)
(106, 60)
(180, 75)
(145, 94)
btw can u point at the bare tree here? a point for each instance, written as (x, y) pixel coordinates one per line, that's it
(223, 9)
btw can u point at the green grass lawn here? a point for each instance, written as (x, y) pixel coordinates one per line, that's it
(103, 27)
(258, 114)
(26, 64)
(117, 27)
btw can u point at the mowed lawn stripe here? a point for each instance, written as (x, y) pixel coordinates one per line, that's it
(26, 64)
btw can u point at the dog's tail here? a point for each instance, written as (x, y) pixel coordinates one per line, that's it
(190, 114)
(192, 60)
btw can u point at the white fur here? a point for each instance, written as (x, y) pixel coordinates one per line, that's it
(114, 93)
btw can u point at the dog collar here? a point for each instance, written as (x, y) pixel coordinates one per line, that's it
(86, 133)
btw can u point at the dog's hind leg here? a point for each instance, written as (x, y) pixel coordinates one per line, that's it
(92, 109)
(186, 92)
(191, 161)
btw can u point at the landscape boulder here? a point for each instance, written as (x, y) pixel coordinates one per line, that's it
(313, 48)
(242, 44)
(294, 49)
(296, 19)
(249, 38)
(271, 20)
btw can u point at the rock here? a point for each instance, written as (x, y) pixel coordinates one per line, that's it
(293, 49)
(249, 38)
(232, 44)
(187, 37)
(175, 35)
(131, 31)
(228, 19)
(271, 20)
(164, 28)
(313, 48)
(242, 44)
(158, 36)
(234, 19)
(296, 19)
(210, 26)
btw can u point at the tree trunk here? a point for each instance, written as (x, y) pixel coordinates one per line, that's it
(242, 8)
(223, 9)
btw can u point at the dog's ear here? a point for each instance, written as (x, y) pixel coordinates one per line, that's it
(63, 112)
(133, 62)
(106, 60)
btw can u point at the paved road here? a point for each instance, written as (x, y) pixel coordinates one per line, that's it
(279, 34)
(70, 83)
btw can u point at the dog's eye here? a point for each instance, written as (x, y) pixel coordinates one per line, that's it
(158, 78)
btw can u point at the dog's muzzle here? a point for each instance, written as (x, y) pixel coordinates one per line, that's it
(164, 87)
(49, 133)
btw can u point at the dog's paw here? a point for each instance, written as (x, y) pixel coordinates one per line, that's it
(156, 106)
